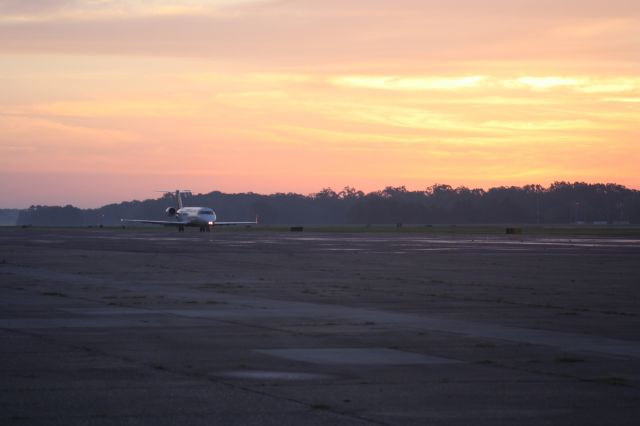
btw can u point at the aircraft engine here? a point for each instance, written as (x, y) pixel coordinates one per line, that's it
(171, 211)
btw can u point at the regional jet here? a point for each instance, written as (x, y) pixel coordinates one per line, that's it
(202, 217)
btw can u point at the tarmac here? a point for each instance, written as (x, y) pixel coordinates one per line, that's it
(106, 327)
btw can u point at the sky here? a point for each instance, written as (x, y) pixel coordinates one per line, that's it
(110, 100)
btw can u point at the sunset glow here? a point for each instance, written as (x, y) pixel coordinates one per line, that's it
(102, 101)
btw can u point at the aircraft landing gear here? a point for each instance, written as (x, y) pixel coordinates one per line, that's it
(208, 229)
(180, 228)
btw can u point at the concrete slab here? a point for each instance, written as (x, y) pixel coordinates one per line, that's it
(125, 327)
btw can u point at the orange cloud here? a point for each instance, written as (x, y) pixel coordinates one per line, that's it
(300, 95)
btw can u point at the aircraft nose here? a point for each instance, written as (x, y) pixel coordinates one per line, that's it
(214, 216)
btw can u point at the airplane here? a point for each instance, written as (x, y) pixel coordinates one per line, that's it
(202, 217)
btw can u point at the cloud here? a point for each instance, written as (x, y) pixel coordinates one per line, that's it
(79, 9)
(359, 34)
(33, 7)
(515, 8)
(410, 83)
(581, 84)
(543, 83)
(529, 126)
(520, 85)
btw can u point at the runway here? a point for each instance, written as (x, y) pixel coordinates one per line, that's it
(124, 326)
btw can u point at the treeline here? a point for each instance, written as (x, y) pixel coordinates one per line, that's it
(562, 202)
(8, 217)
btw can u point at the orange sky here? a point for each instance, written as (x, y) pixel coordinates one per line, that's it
(103, 101)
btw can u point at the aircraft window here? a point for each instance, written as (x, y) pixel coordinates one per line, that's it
(205, 212)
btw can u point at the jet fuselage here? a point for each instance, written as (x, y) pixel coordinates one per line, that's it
(196, 216)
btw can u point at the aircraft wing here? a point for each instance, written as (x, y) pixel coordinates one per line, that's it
(155, 222)
(235, 223)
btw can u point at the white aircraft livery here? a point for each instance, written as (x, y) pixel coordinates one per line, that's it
(202, 217)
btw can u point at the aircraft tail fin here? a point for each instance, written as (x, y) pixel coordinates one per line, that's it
(179, 198)
(178, 193)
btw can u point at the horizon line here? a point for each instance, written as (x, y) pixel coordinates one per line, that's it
(312, 194)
